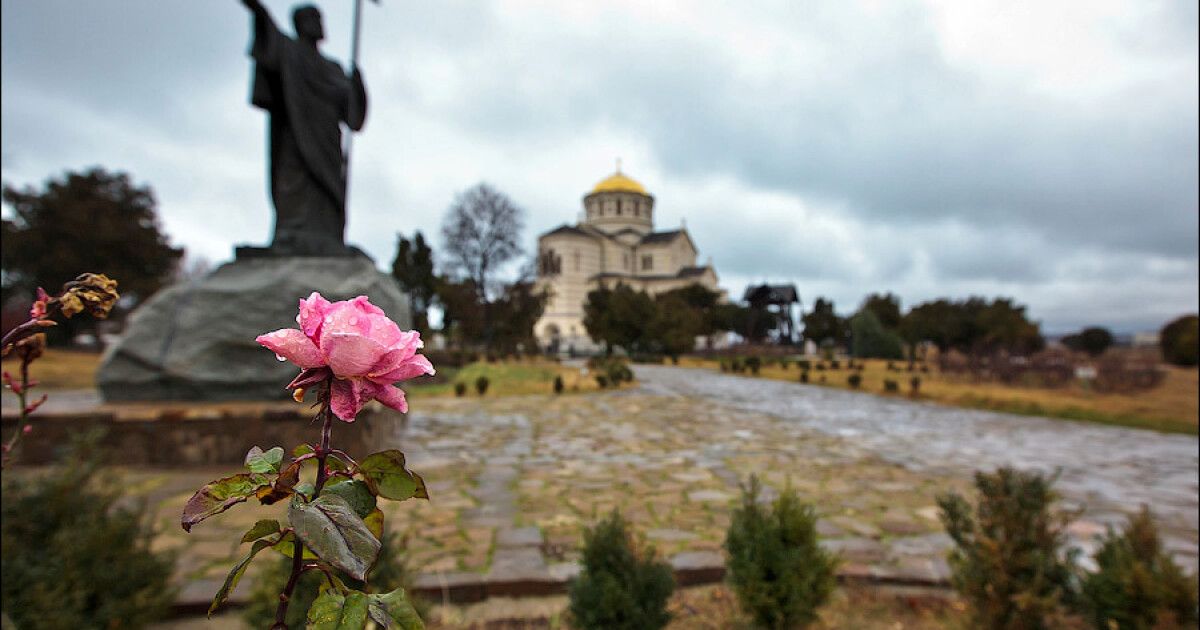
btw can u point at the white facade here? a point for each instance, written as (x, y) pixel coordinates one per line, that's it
(615, 244)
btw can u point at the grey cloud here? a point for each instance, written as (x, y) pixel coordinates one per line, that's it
(862, 117)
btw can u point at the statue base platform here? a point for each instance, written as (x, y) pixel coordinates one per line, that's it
(195, 341)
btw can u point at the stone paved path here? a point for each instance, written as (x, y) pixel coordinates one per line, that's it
(514, 480)
(1106, 470)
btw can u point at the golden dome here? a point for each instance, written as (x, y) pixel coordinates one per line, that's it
(618, 182)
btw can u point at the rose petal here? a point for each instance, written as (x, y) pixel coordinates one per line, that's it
(413, 367)
(348, 395)
(403, 350)
(312, 314)
(293, 345)
(363, 303)
(351, 354)
(392, 397)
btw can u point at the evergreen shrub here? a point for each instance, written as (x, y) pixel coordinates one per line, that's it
(75, 554)
(754, 364)
(890, 386)
(780, 574)
(481, 385)
(460, 389)
(1137, 585)
(558, 384)
(622, 586)
(854, 380)
(1008, 561)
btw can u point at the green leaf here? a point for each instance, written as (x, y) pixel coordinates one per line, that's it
(356, 493)
(334, 480)
(284, 485)
(235, 574)
(303, 449)
(393, 610)
(374, 522)
(329, 526)
(220, 495)
(332, 611)
(388, 477)
(305, 488)
(259, 462)
(261, 528)
(287, 547)
(333, 462)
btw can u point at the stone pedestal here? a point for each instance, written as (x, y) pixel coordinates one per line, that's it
(195, 341)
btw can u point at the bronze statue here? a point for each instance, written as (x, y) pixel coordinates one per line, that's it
(307, 96)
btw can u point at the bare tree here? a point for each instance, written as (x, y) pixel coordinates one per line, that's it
(482, 231)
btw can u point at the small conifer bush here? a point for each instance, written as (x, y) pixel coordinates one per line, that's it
(74, 555)
(602, 380)
(890, 386)
(834, 364)
(622, 586)
(460, 389)
(481, 385)
(804, 376)
(754, 364)
(1137, 585)
(780, 574)
(558, 384)
(914, 385)
(854, 380)
(1008, 561)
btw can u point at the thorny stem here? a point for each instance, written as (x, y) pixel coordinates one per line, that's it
(323, 451)
(27, 329)
(22, 398)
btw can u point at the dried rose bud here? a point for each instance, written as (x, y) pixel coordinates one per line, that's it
(31, 347)
(28, 429)
(94, 292)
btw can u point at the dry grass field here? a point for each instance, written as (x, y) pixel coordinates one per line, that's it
(60, 369)
(1173, 406)
(71, 369)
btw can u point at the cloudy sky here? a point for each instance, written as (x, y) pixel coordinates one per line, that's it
(1036, 149)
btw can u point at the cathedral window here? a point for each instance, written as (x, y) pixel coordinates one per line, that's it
(575, 257)
(549, 263)
(647, 263)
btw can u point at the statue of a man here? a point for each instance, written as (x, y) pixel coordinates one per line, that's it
(308, 96)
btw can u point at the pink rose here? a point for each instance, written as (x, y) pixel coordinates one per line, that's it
(364, 350)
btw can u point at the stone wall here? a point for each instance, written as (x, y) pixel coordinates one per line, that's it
(177, 437)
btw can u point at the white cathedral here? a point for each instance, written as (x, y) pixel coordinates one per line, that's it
(615, 244)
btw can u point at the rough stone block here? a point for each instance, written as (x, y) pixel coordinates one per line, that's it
(195, 341)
